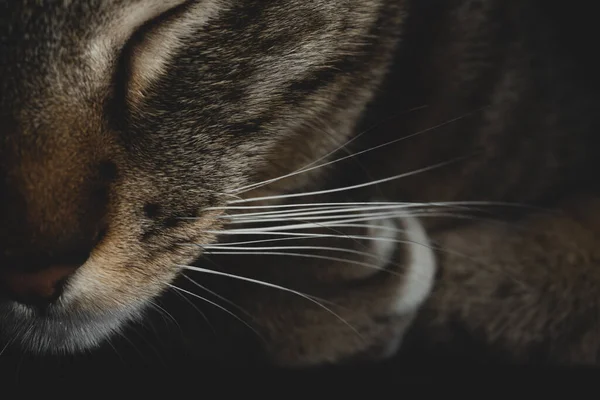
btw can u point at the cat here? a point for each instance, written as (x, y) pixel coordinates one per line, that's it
(107, 107)
(138, 135)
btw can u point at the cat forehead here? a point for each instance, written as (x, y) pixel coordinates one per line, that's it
(42, 42)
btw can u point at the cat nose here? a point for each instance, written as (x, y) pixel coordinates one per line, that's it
(48, 228)
(38, 288)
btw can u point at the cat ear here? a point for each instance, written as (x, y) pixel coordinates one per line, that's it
(150, 31)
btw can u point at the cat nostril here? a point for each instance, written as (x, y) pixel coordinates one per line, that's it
(37, 288)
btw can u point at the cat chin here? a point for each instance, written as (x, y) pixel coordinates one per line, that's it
(57, 331)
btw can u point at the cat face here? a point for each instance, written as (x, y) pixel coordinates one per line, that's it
(127, 124)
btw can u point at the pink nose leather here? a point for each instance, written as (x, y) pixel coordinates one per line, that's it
(38, 286)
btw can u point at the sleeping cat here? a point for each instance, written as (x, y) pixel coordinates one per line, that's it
(137, 136)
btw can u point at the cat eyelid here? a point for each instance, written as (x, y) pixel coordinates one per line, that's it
(126, 27)
(151, 47)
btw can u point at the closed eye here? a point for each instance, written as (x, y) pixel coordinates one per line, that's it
(141, 41)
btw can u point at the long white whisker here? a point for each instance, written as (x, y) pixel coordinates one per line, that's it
(293, 236)
(296, 236)
(308, 212)
(312, 225)
(278, 248)
(130, 342)
(309, 168)
(317, 205)
(274, 286)
(304, 168)
(162, 310)
(313, 256)
(220, 297)
(219, 307)
(252, 248)
(433, 245)
(226, 245)
(423, 207)
(361, 185)
(202, 314)
(335, 218)
(292, 218)
(8, 343)
(220, 193)
(257, 241)
(294, 205)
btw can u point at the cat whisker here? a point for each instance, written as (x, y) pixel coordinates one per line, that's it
(309, 212)
(148, 323)
(216, 294)
(162, 311)
(330, 221)
(217, 193)
(239, 251)
(313, 225)
(320, 217)
(334, 219)
(277, 251)
(310, 168)
(225, 244)
(202, 314)
(297, 205)
(219, 266)
(8, 343)
(132, 344)
(357, 186)
(465, 203)
(236, 251)
(331, 228)
(343, 145)
(219, 307)
(341, 212)
(326, 248)
(112, 346)
(312, 299)
(304, 236)
(220, 297)
(225, 250)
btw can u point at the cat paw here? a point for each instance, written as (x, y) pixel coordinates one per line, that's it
(418, 269)
(406, 234)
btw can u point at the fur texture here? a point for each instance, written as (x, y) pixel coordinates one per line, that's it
(129, 127)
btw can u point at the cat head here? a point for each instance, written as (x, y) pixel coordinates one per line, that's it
(126, 125)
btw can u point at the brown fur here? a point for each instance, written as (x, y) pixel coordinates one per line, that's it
(526, 290)
(125, 126)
